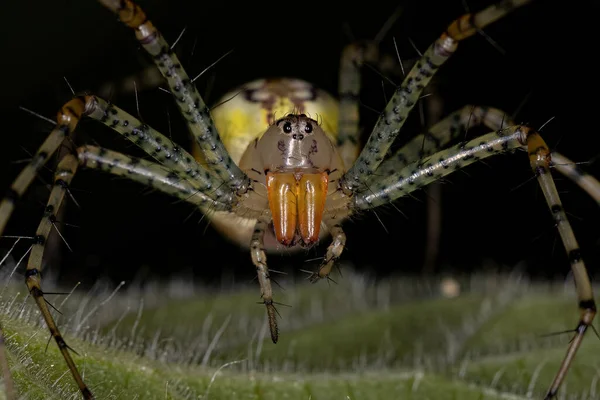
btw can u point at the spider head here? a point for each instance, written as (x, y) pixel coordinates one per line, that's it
(295, 143)
(296, 157)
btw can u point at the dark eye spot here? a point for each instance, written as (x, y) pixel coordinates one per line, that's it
(308, 128)
(287, 127)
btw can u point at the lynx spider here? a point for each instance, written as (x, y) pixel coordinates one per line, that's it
(292, 179)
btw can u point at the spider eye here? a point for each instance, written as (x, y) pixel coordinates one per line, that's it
(287, 127)
(308, 128)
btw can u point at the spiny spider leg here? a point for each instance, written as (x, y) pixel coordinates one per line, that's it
(66, 121)
(443, 132)
(419, 174)
(146, 173)
(455, 124)
(181, 163)
(383, 189)
(539, 158)
(62, 178)
(353, 58)
(143, 171)
(188, 99)
(161, 148)
(259, 259)
(389, 124)
(177, 181)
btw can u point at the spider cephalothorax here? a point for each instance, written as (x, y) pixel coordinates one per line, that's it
(292, 162)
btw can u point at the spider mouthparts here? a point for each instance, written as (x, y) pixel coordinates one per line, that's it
(297, 201)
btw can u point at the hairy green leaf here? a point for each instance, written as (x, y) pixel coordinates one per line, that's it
(394, 339)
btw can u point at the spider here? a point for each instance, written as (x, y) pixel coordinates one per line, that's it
(299, 173)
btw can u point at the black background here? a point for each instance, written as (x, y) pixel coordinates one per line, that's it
(494, 213)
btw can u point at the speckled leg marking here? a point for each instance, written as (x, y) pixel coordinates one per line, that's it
(334, 251)
(67, 120)
(187, 97)
(406, 96)
(180, 176)
(179, 162)
(353, 58)
(147, 173)
(62, 178)
(540, 160)
(454, 125)
(442, 133)
(418, 174)
(9, 389)
(259, 259)
(421, 173)
(161, 148)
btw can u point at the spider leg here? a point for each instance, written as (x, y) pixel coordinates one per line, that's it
(418, 174)
(435, 138)
(188, 99)
(540, 161)
(452, 126)
(62, 178)
(385, 188)
(147, 173)
(177, 160)
(67, 120)
(389, 124)
(179, 176)
(442, 133)
(259, 259)
(539, 156)
(353, 57)
(334, 251)
(160, 147)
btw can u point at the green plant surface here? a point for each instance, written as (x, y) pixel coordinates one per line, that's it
(398, 339)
